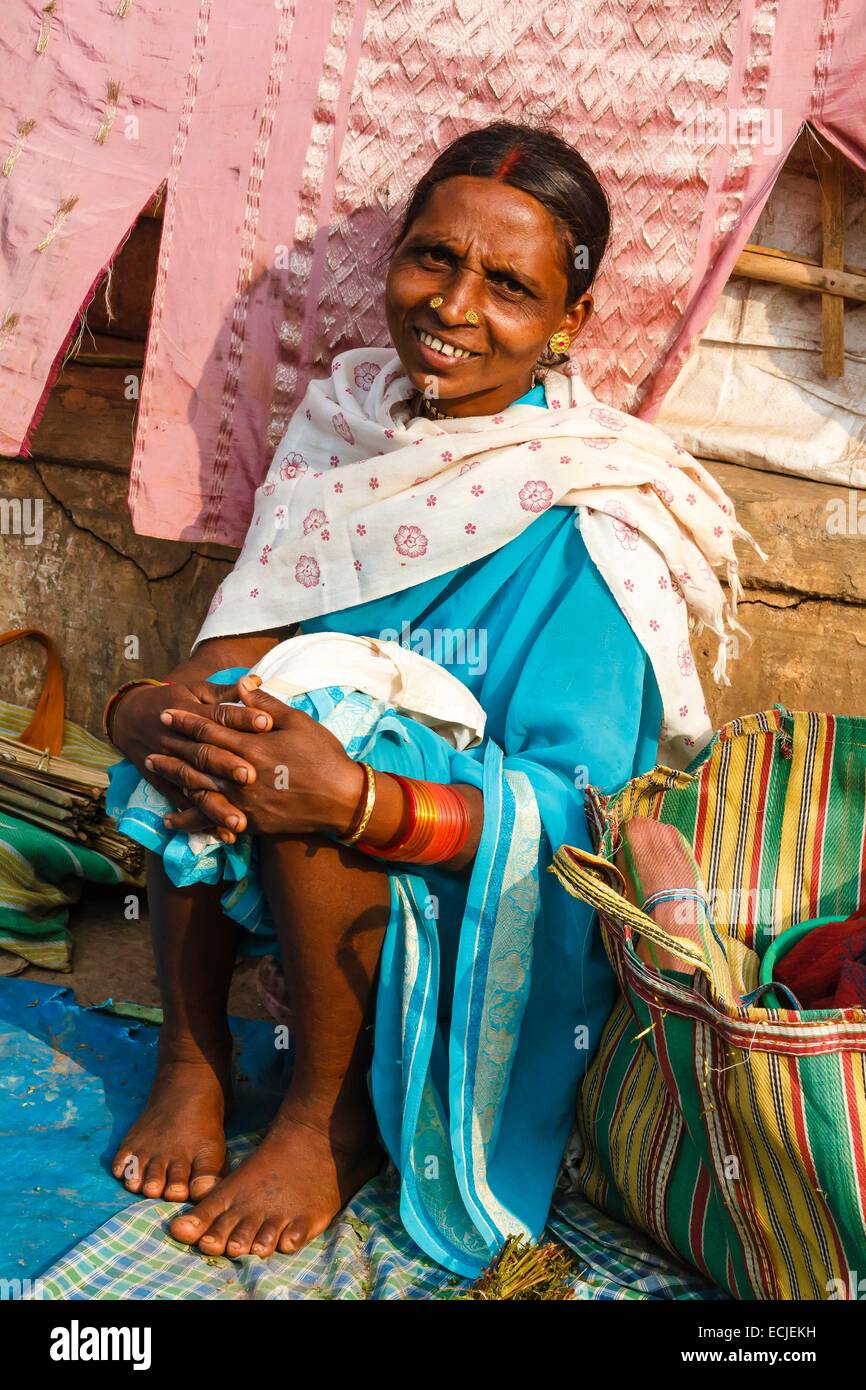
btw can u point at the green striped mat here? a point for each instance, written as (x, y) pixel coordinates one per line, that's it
(41, 874)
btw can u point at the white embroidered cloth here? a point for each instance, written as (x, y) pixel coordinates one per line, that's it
(364, 499)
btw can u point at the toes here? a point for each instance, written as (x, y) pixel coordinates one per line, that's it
(192, 1224)
(265, 1242)
(292, 1239)
(129, 1169)
(300, 1232)
(241, 1238)
(205, 1174)
(214, 1240)
(177, 1182)
(120, 1162)
(172, 1178)
(154, 1178)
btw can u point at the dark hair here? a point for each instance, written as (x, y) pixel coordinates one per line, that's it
(541, 163)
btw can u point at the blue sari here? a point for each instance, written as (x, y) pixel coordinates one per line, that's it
(493, 985)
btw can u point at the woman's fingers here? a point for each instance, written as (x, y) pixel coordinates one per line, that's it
(167, 789)
(211, 693)
(241, 717)
(282, 714)
(182, 773)
(194, 820)
(199, 789)
(205, 730)
(215, 762)
(189, 820)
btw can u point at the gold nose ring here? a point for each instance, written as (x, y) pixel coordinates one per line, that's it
(437, 301)
(472, 317)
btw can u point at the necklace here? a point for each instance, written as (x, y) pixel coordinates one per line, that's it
(426, 407)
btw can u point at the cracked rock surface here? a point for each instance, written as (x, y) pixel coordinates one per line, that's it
(118, 605)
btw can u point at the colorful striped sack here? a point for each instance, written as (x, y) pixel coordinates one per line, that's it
(732, 1133)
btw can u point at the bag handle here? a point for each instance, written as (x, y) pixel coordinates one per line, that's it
(586, 877)
(45, 729)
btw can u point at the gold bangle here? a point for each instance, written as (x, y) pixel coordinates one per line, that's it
(369, 803)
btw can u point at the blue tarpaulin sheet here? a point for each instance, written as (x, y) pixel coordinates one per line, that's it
(72, 1080)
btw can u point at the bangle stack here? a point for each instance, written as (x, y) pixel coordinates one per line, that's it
(110, 710)
(434, 829)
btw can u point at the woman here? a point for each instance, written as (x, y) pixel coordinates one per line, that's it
(442, 490)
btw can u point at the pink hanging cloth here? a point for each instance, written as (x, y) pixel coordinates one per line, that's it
(89, 110)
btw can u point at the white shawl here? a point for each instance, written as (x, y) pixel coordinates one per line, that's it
(363, 499)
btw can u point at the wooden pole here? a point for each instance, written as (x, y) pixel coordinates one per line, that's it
(800, 275)
(831, 181)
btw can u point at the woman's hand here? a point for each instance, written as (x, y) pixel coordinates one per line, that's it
(139, 730)
(289, 776)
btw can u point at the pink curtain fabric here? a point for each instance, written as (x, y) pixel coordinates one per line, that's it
(291, 133)
(76, 167)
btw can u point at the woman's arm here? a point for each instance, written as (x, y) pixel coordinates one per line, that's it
(384, 824)
(292, 778)
(220, 653)
(138, 729)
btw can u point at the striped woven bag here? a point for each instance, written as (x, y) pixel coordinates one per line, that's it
(733, 1133)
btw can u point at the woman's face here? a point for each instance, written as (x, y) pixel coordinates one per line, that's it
(484, 246)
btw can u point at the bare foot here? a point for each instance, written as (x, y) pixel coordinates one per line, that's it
(288, 1191)
(176, 1148)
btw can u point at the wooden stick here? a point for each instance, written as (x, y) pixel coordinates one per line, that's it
(57, 827)
(23, 782)
(23, 801)
(833, 257)
(795, 256)
(835, 285)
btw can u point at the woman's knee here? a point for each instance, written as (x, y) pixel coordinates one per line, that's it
(317, 865)
(293, 849)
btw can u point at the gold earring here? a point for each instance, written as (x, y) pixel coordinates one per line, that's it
(437, 301)
(472, 317)
(559, 342)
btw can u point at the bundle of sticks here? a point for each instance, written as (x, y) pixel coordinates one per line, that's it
(64, 796)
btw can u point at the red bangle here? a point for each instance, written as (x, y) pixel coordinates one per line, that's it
(437, 827)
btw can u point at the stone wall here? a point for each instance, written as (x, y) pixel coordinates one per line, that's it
(805, 608)
(93, 584)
